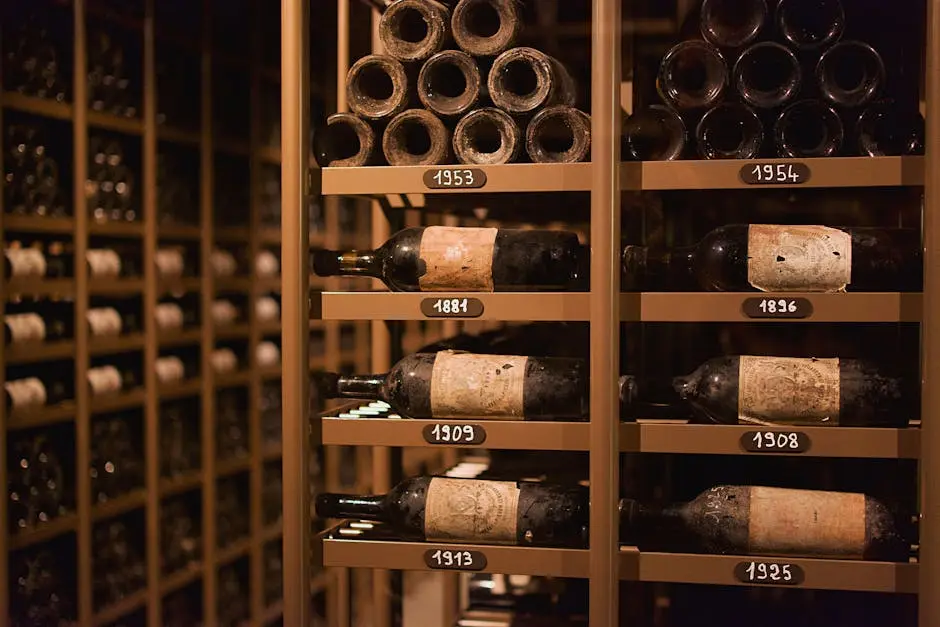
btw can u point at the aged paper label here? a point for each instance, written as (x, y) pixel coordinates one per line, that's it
(170, 369)
(457, 259)
(223, 360)
(104, 380)
(103, 263)
(223, 263)
(788, 390)
(168, 316)
(169, 262)
(224, 312)
(267, 354)
(467, 384)
(26, 262)
(823, 524)
(798, 258)
(466, 509)
(267, 309)
(26, 327)
(267, 264)
(25, 393)
(104, 321)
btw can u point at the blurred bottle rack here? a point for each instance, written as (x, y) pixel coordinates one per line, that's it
(396, 189)
(208, 41)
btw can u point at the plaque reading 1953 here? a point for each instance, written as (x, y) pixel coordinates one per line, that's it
(776, 173)
(454, 178)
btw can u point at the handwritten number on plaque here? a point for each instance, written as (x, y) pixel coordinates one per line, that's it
(448, 559)
(454, 178)
(770, 573)
(760, 307)
(452, 307)
(793, 173)
(775, 442)
(453, 434)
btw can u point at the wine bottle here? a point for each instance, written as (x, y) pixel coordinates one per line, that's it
(733, 23)
(470, 510)
(346, 141)
(729, 131)
(756, 520)
(692, 75)
(438, 258)
(173, 369)
(745, 389)
(655, 133)
(177, 314)
(267, 355)
(778, 258)
(172, 262)
(767, 75)
(523, 80)
(24, 263)
(44, 322)
(224, 361)
(267, 309)
(850, 74)
(224, 312)
(810, 24)
(450, 384)
(416, 137)
(223, 263)
(267, 265)
(558, 134)
(413, 30)
(449, 83)
(377, 87)
(111, 379)
(31, 392)
(484, 28)
(487, 136)
(808, 129)
(887, 128)
(109, 322)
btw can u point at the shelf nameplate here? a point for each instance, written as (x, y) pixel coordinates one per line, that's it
(452, 307)
(775, 173)
(769, 573)
(775, 442)
(766, 307)
(454, 559)
(454, 178)
(451, 434)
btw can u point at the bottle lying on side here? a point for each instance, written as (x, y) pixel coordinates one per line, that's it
(778, 258)
(451, 384)
(438, 258)
(760, 390)
(747, 520)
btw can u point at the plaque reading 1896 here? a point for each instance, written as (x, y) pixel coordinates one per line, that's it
(764, 307)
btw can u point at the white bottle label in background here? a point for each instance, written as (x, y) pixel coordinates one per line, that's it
(168, 316)
(224, 312)
(267, 309)
(26, 327)
(104, 322)
(169, 262)
(26, 262)
(104, 380)
(223, 263)
(267, 354)
(26, 393)
(170, 369)
(103, 263)
(223, 360)
(266, 264)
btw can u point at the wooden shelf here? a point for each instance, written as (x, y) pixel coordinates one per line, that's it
(120, 505)
(120, 609)
(173, 486)
(177, 338)
(116, 287)
(178, 231)
(180, 579)
(179, 390)
(179, 136)
(36, 106)
(117, 402)
(115, 123)
(234, 551)
(32, 352)
(42, 416)
(116, 229)
(43, 532)
(36, 224)
(110, 345)
(229, 467)
(43, 288)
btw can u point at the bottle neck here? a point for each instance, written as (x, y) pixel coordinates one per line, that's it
(369, 386)
(346, 263)
(650, 267)
(649, 399)
(640, 522)
(351, 506)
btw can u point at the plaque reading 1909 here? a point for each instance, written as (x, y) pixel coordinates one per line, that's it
(764, 307)
(454, 178)
(776, 173)
(454, 434)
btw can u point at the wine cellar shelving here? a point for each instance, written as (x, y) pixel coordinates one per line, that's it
(165, 45)
(610, 442)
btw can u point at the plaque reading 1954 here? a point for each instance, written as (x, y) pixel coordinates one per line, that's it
(775, 173)
(765, 307)
(453, 559)
(452, 307)
(769, 573)
(454, 178)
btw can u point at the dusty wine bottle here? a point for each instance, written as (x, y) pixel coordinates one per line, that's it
(558, 134)
(656, 133)
(692, 75)
(485, 28)
(767, 75)
(487, 137)
(808, 129)
(810, 24)
(438, 258)
(729, 131)
(745, 389)
(377, 87)
(413, 30)
(850, 74)
(756, 520)
(449, 83)
(733, 23)
(778, 258)
(443, 509)
(887, 128)
(416, 137)
(451, 384)
(525, 79)
(346, 141)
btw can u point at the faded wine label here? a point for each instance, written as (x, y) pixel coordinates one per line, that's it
(798, 258)
(25, 393)
(104, 321)
(170, 369)
(466, 384)
(457, 259)
(168, 316)
(466, 509)
(823, 524)
(26, 262)
(26, 327)
(103, 263)
(788, 390)
(104, 380)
